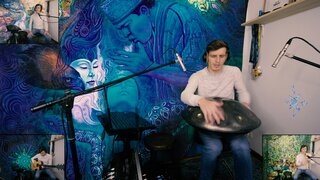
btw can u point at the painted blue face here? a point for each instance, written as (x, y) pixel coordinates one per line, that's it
(123, 96)
(137, 28)
(88, 71)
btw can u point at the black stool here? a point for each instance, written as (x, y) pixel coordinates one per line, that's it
(160, 146)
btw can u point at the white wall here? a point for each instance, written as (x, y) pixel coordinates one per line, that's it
(271, 91)
(53, 22)
(58, 156)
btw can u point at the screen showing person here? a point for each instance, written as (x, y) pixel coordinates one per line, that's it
(302, 163)
(38, 25)
(41, 163)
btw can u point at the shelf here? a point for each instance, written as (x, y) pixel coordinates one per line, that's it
(57, 138)
(288, 10)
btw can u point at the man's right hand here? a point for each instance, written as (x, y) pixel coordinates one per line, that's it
(30, 34)
(212, 110)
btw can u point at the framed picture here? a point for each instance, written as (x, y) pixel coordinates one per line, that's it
(271, 5)
(280, 154)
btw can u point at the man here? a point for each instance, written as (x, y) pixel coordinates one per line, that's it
(38, 24)
(155, 29)
(302, 163)
(218, 80)
(39, 159)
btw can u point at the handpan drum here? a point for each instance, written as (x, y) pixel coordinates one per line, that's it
(237, 118)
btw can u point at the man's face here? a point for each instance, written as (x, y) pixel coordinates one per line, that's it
(43, 153)
(38, 9)
(304, 150)
(216, 59)
(136, 28)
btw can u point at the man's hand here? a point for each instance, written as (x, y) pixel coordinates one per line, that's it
(30, 34)
(212, 110)
(46, 33)
(246, 105)
(131, 61)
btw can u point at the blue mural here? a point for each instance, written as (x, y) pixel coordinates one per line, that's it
(102, 41)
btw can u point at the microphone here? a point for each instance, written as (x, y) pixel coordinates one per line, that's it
(281, 53)
(179, 59)
(46, 15)
(312, 146)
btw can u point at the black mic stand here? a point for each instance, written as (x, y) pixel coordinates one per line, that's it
(296, 57)
(311, 158)
(49, 16)
(67, 103)
(302, 60)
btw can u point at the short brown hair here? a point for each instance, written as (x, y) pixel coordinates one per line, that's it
(35, 7)
(303, 146)
(215, 45)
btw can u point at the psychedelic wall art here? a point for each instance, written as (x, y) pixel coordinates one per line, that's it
(100, 42)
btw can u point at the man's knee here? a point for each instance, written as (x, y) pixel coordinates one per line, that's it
(240, 147)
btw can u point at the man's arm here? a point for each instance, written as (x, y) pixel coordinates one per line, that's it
(45, 22)
(49, 159)
(244, 96)
(31, 23)
(188, 95)
(34, 157)
(298, 161)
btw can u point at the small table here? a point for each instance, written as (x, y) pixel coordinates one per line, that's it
(126, 126)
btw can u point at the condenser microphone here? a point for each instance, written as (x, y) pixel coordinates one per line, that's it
(312, 147)
(281, 53)
(179, 59)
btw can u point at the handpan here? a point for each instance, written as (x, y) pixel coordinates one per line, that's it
(237, 118)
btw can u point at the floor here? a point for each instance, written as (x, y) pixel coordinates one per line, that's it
(188, 169)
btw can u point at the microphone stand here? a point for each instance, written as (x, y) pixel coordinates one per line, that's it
(282, 52)
(49, 16)
(67, 103)
(311, 158)
(302, 60)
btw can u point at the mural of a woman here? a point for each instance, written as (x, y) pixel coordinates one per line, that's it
(80, 53)
(88, 129)
(92, 74)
